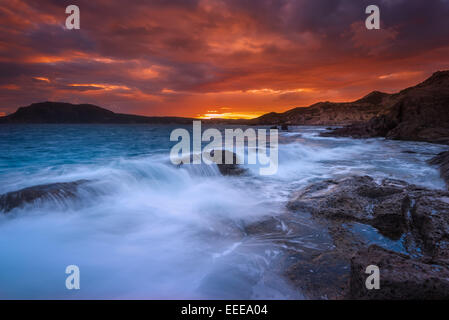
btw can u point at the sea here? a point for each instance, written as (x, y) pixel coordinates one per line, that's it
(144, 228)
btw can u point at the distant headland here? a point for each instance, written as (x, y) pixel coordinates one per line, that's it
(418, 113)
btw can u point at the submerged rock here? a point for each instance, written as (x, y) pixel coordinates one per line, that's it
(400, 277)
(53, 191)
(442, 160)
(305, 254)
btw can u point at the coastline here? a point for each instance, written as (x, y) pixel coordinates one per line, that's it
(341, 244)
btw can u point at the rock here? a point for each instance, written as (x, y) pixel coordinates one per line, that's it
(53, 191)
(305, 254)
(378, 126)
(232, 169)
(359, 213)
(430, 222)
(418, 113)
(320, 275)
(284, 127)
(358, 199)
(442, 160)
(417, 218)
(400, 277)
(323, 239)
(393, 207)
(327, 113)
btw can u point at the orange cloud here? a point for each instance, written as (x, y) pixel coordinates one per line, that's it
(10, 87)
(42, 79)
(99, 86)
(400, 75)
(182, 57)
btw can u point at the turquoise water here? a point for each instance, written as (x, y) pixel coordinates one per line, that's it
(147, 229)
(32, 147)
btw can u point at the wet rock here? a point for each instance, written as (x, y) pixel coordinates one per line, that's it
(306, 255)
(391, 206)
(320, 275)
(330, 222)
(400, 277)
(53, 191)
(442, 160)
(324, 238)
(232, 169)
(358, 199)
(430, 223)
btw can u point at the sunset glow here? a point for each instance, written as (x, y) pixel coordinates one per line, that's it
(99, 86)
(179, 58)
(229, 115)
(42, 79)
(192, 154)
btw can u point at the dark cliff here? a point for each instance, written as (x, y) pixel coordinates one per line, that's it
(419, 113)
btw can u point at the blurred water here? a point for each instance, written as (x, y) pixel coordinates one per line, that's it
(152, 230)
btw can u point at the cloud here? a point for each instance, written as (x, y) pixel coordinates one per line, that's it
(180, 57)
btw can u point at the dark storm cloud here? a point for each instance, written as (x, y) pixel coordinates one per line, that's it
(180, 56)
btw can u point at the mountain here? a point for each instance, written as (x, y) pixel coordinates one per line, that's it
(329, 113)
(419, 113)
(416, 113)
(59, 112)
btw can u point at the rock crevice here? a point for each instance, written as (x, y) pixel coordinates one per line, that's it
(416, 217)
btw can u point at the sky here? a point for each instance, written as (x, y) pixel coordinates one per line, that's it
(215, 58)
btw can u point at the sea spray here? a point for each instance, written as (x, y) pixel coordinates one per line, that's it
(155, 230)
(258, 151)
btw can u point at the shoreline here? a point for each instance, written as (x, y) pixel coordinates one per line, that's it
(335, 270)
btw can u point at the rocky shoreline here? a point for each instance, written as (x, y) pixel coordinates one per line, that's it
(402, 277)
(333, 229)
(442, 161)
(54, 192)
(417, 113)
(401, 228)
